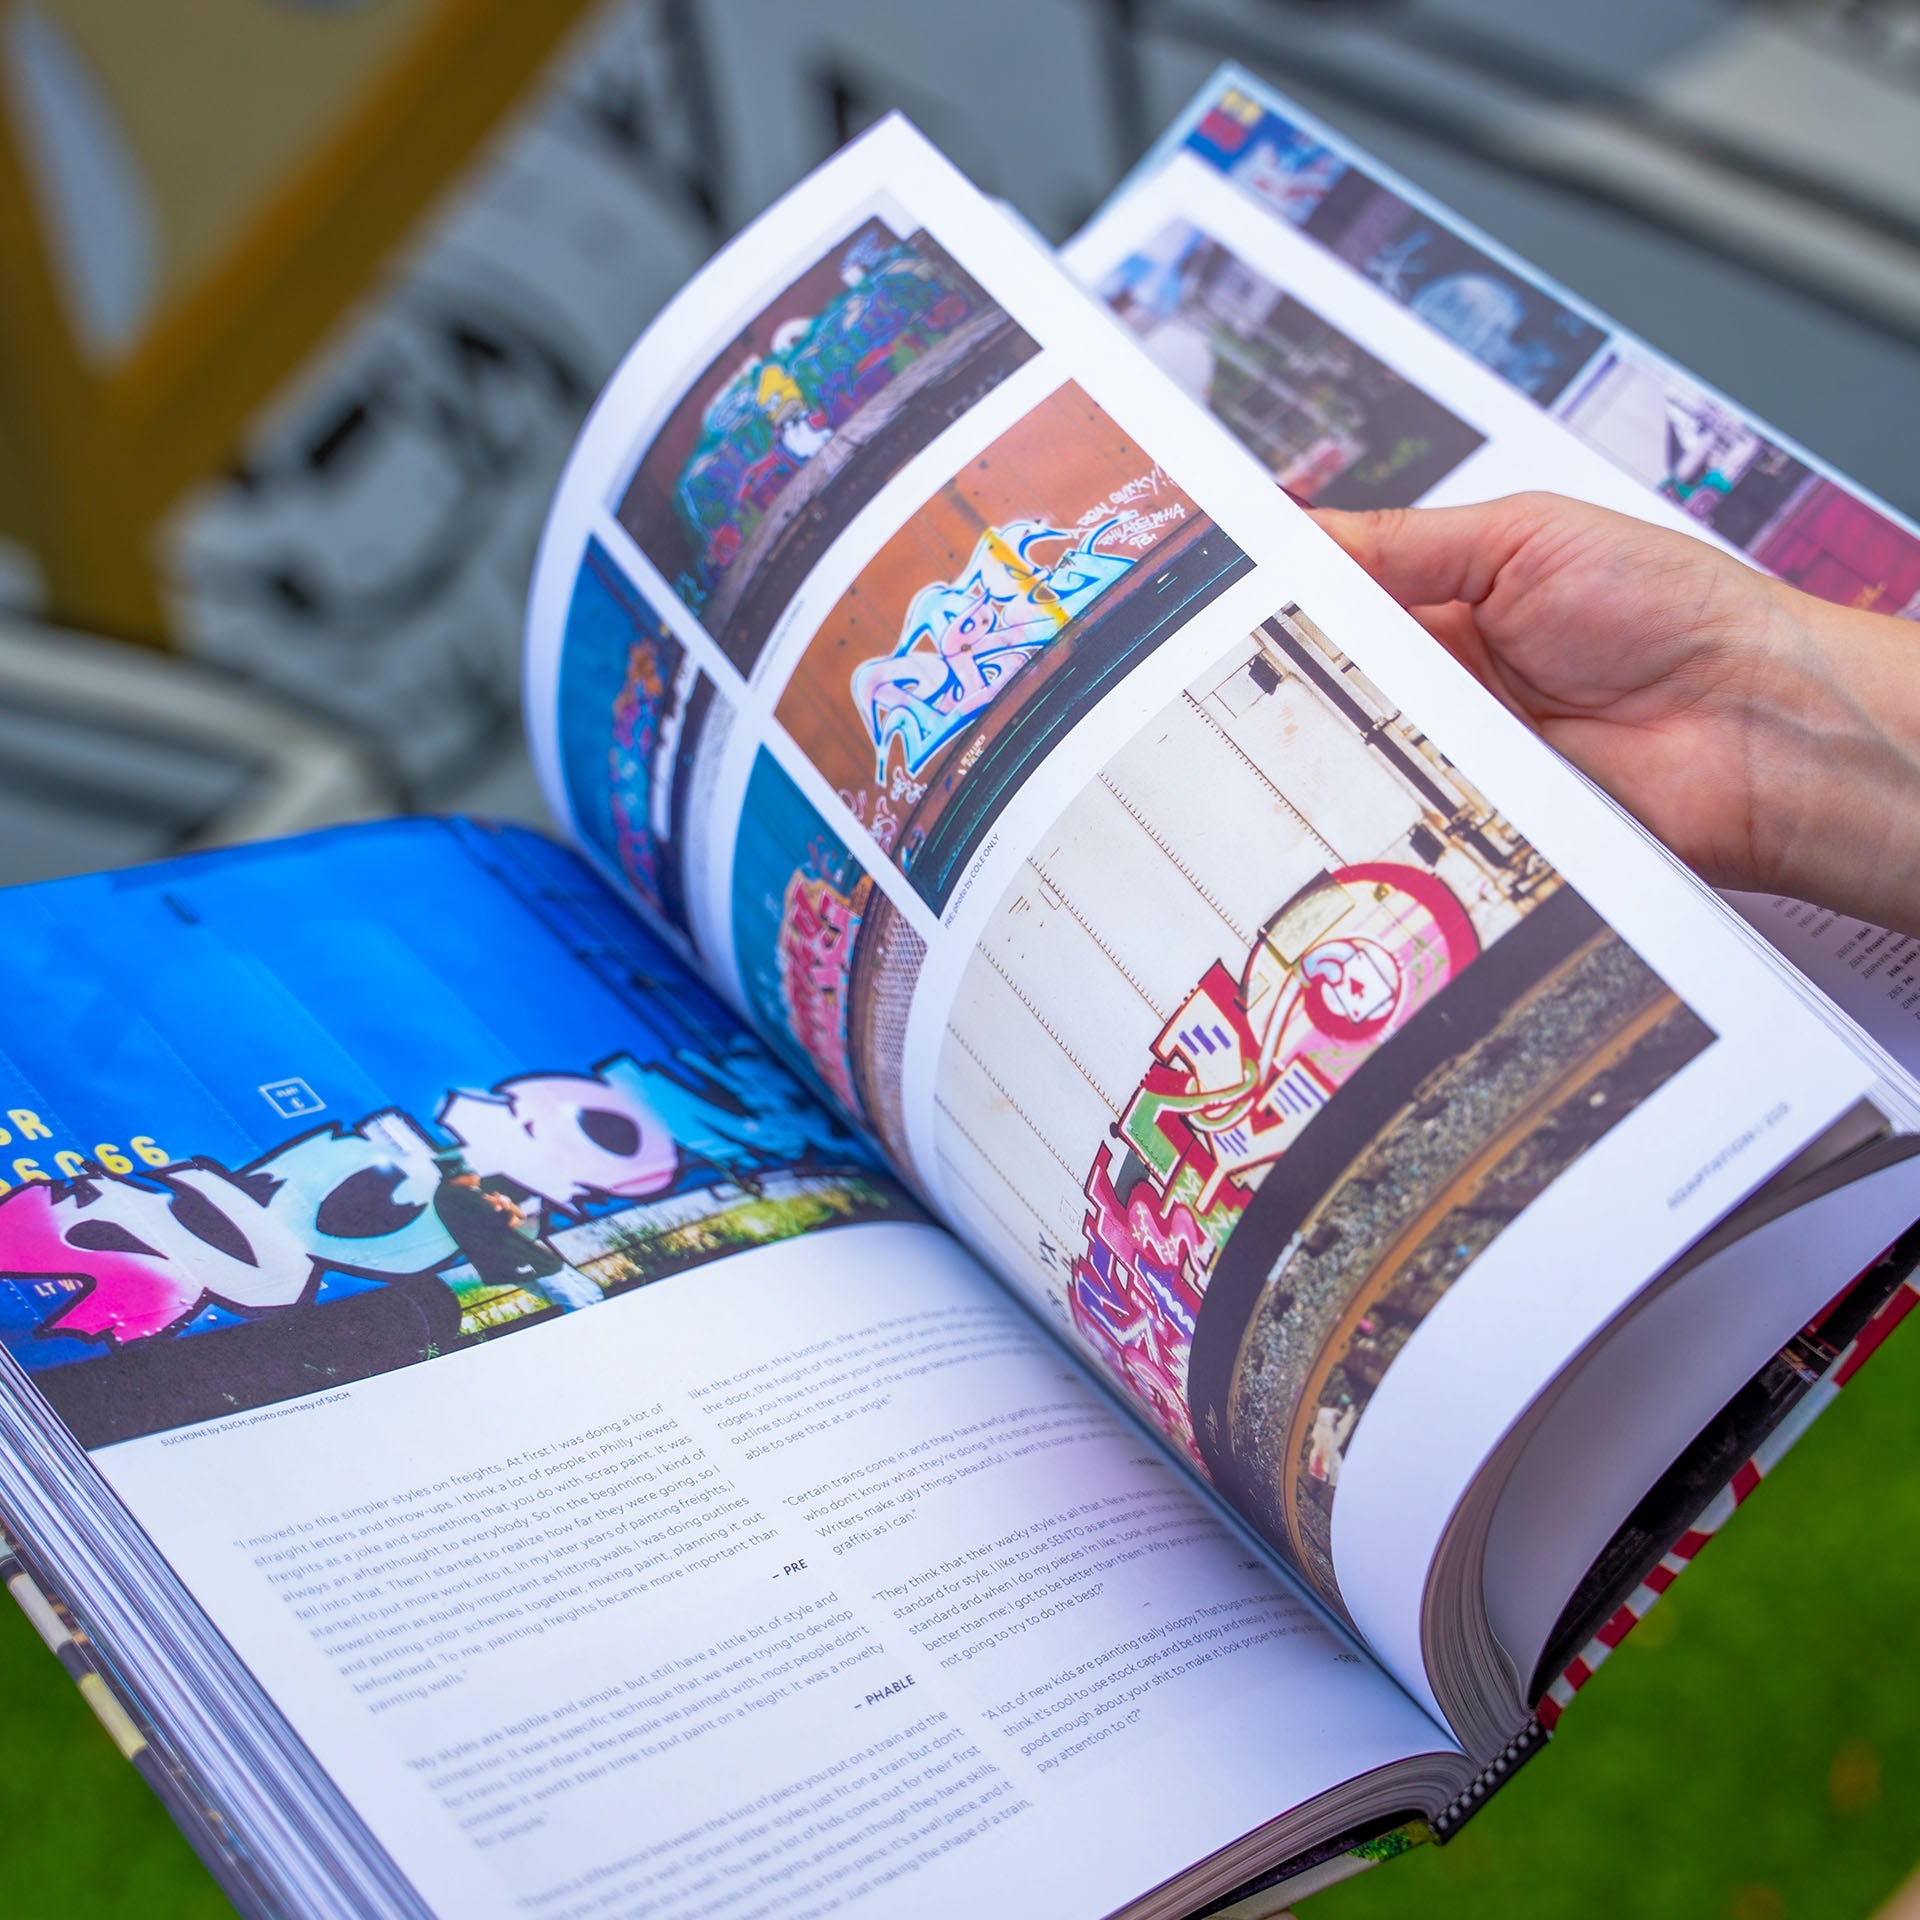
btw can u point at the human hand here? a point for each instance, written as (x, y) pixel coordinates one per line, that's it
(1770, 739)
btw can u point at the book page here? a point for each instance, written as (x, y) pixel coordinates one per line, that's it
(820, 1558)
(1372, 349)
(624, 1498)
(1210, 952)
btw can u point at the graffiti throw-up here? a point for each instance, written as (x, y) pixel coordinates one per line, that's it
(155, 1250)
(963, 639)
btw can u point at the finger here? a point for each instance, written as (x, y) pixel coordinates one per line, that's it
(1427, 556)
(1455, 627)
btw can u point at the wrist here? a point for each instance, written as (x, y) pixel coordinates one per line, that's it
(1841, 744)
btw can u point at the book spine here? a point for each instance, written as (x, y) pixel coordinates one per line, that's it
(1708, 1522)
(1531, 1739)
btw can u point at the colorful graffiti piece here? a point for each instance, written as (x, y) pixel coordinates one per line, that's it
(637, 709)
(964, 639)
(1648, 417)
(187, 1246)
(1031, 544)
(1238, 1074)
(784, 405)
(1276, 162)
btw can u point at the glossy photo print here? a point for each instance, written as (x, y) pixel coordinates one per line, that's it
(1302, 1023)
(828, 963)
(799, 898)
(1504, 319)
(819, 400)
(1027, 587)
(632, 713)
(1333, 425)
(421, 1085)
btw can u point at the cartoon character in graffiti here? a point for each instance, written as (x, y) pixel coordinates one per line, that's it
(573, 1140)
(962, 640)
(157, 1249)
(1326, 1444)
(782, 407)
(1239, 1072)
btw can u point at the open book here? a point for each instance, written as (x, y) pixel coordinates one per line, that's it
(1094, 1226)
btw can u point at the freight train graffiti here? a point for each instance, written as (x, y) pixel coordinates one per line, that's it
(187, 1247)
(799, 901)
(964, 638)
(1237, 1075)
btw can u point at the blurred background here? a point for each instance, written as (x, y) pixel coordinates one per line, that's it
(301, 302)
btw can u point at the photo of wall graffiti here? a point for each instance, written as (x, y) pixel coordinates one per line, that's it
(828, 963)
(1330, 422)
(818, 401)
(1278, 974)
(1708, 458)
(1645, 416)
(632, 711)
(798, 900)
(1030, 584)
(1532, 340)
(381, 1208)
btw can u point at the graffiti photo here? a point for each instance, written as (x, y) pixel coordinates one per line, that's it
(1828, 542)
(149, 1293)
(798, 901)
(633, 710)
(1331, 423)
(1301, 1023)
(826, 959)
(1533, 341)
(1029, 585)
(813, 406)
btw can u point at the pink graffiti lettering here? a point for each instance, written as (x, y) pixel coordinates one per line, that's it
(1136, 1291)
(156, 1250)
(814, 951)
(1240, 1070)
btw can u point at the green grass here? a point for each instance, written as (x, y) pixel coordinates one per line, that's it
(1751, 1753)
(81, 1838)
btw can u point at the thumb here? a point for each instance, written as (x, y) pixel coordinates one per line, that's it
(1428, 556)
